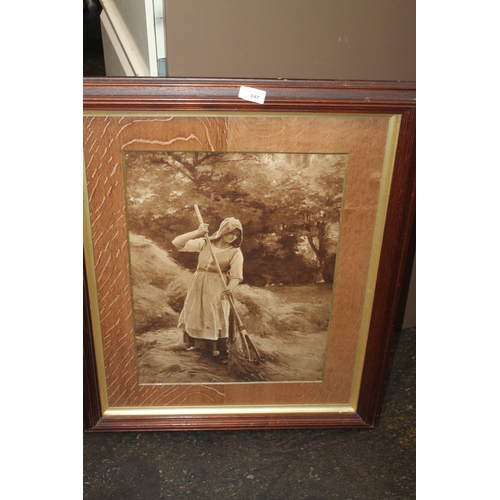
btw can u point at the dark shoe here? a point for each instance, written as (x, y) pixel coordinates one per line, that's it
(223, 358)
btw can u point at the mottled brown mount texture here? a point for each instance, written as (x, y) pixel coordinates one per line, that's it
(110, 129)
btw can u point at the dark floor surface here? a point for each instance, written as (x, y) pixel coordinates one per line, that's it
(93, 58)
(368, 464)
(373, 464)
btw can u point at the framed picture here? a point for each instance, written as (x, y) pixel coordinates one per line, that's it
(244, 248)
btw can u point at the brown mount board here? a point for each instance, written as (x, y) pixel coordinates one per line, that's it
(373, 123)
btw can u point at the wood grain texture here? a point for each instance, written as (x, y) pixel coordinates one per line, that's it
(362, 137)
(230, 422)
(397, 235)
(222, 94)
(106, 138)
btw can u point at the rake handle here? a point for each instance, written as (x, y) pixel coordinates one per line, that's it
(207, 238)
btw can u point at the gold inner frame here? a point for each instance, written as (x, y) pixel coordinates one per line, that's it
(383, 175)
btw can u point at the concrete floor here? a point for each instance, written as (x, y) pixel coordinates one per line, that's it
(375, 464)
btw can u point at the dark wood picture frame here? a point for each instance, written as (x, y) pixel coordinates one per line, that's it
(131, 97)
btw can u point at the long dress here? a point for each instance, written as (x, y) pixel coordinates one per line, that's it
(205, 318)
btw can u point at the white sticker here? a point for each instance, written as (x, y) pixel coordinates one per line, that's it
(253, 95)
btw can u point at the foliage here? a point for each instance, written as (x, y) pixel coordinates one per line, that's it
(289, 206)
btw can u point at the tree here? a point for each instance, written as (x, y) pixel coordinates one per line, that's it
(286, 202)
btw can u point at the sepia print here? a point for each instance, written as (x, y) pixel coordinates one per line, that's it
(233, 263)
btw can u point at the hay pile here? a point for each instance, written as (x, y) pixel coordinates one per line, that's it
(160, 286)
(280, 329)
(153, 271)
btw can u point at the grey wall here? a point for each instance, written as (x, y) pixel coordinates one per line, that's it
(310, 39)
(313, 39)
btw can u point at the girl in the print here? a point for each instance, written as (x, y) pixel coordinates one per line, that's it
(206, 318)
